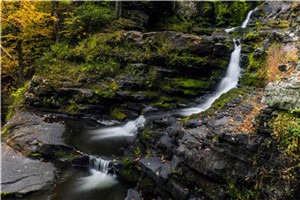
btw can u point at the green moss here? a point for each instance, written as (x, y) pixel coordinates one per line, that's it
(198, 191)
(147, 134)
(219, 103)
(255, 38)
(226, 97)
(118, 114)
(186, 60)
(255, 74)
(105, 91)
(192, 83)
(161, 105)
(61, 154)
(231, 13)
(137, 151)
(126, 161)
(235, 191)
(8, 194)
(130, 171)
(72, 109)
(177, 24)
(176, 170)
(124, 24)
(35, 155)
(286, 128)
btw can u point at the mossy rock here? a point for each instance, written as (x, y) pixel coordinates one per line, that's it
(193, 83)
(219, 103)
(117, 114)
(129, 170)
(226, 97)
(125, 24)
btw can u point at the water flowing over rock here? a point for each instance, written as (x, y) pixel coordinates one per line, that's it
(228, 82)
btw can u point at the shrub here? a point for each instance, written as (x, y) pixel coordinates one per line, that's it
(87, 18)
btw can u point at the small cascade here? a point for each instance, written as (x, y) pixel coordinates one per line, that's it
(100, 164)
(100, 176)
(127, 130)
(244, 24)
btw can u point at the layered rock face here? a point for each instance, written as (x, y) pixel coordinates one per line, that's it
(211, 155)
(233, 147)
(164, 74)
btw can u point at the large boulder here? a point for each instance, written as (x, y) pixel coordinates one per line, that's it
(283, 94)
(34, 137)
(21, 175)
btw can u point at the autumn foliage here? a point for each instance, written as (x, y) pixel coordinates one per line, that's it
(25, 32)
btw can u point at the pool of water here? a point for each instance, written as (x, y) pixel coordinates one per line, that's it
(85, 135)
(75, 182)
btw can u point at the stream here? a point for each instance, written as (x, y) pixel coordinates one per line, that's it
(98, 181)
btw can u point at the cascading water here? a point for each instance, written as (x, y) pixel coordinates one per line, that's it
(229, 81)
(244, 24)
(127, 130)
(100, 177)
(100, 164)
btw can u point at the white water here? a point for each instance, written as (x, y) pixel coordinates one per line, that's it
(228, 82)
(99, 178)
(244, 24)
(127, 130)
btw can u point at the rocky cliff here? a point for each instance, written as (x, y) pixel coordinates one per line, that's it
(245, 146)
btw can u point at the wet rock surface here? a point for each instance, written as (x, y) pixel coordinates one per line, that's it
(212, 145)
(31, 135)
(21, 175)
(132, 194)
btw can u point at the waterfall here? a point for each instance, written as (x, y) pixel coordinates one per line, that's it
(244, 24)
(229, 81)
(99, 177)
(127, 130)
(100, 164)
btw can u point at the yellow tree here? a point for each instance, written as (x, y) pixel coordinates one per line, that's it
(26, 28)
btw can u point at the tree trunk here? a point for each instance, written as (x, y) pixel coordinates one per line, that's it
(55, 22)
(118, 9)
(21, 64)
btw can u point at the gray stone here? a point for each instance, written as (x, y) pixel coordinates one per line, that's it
(283, 95)
(178, 191)
(31, 134)
(222, 122)
(132, 194)
(22, 175)
(155, 168)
